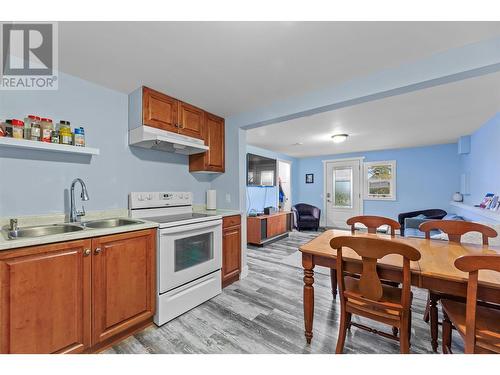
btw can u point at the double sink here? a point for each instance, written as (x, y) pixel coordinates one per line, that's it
(47, 230)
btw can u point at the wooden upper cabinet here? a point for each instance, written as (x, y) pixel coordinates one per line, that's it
(191, 121)
(159, 110)
(213, 160)
(45, 298)
(123, 282)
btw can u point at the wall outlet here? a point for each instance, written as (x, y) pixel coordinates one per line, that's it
(228, 198)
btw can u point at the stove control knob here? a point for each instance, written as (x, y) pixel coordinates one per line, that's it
(140, 198)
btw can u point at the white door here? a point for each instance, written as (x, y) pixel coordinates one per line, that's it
(342, 192)
(285, 178)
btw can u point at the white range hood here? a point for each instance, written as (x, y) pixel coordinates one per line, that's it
(157, 139)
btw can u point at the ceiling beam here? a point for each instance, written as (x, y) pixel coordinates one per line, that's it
(448, 66)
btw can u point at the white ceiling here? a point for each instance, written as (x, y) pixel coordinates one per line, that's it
(436, 115)
(228, 68)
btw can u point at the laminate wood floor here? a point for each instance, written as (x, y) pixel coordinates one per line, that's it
(263, 313)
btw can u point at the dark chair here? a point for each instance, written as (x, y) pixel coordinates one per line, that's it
(478, 325)
(435, 213)
(306, 216)
(454, 230)
(368, 296)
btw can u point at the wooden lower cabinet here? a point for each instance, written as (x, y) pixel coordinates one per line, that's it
(45, 299)
(123, 283)
(267, 228)
(231, 249)
(69, 298)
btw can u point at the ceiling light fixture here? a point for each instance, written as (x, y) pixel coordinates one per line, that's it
(298, 144)
(339, 138)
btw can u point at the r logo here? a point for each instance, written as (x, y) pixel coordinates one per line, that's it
(28, 49)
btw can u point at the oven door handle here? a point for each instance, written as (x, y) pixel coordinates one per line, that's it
(191, 227)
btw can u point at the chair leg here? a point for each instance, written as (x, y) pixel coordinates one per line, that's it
(342, 331)
(333, 279)
(433, 314)
(404, 342)
(349, 317)
(446, 344)
(426, 313)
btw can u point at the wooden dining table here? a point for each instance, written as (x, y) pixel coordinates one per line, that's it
(434, 271)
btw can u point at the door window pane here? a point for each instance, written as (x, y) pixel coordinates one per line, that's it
(342, 187)
(194, 250)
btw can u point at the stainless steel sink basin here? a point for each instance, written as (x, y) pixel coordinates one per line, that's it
(43, 230)
(110, 223)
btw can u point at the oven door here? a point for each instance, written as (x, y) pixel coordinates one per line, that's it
(187, 252)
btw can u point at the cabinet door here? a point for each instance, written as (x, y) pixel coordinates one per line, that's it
(159, 110)
(276, 224)
(123, 282)
(215, 140)
(191, 121)
(45, 299)
(231, 254)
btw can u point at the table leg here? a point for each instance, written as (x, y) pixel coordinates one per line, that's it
(433, 313)
(307, 263)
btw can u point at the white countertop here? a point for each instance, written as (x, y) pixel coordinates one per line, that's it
(219, 212)
(7, 244)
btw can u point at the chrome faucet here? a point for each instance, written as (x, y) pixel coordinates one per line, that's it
(74, 215)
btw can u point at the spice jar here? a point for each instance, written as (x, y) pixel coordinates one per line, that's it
(46, 129)
(35, 130)
(3, 132)
(8, 128)
(65, 136)
(27, 125)
(55, 137)
(17, 129)
(79, 137)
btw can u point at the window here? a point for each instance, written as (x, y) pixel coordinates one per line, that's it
(342, 187)
(380, 180)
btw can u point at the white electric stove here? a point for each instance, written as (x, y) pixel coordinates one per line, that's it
(189, 251)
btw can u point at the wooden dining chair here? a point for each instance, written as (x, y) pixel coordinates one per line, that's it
(367, 296)
(455, 230)
(372, 223)
(478, 325)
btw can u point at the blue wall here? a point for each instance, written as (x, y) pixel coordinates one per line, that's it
(482, 165)
(483, 161)
(35, 182)
(426, 178)
(260, 197)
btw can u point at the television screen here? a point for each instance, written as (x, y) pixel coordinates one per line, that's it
(261, 171)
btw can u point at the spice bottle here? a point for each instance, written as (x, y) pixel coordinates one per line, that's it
(8, 128)
(79, 137)
(55, 136)
(27, 125)
(3, 126)
(17, 129)
(46, 129)
(35, 130)
(65, 134)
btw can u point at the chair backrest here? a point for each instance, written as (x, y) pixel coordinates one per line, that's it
(473, 264)
(370, 250)
(455, 229)
(373, 223)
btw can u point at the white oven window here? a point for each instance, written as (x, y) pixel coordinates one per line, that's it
(193, 250)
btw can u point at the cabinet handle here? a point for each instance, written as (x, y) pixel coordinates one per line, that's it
(97, 251)
(86, 252)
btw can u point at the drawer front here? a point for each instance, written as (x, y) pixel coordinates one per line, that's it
(230, 221)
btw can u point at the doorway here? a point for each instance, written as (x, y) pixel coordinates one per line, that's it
(285, 180)
(342, 191)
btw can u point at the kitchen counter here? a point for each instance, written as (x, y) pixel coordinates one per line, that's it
(7, 244)
(203, 210)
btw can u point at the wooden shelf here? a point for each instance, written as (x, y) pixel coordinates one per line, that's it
(492, 215)
(43, 146)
